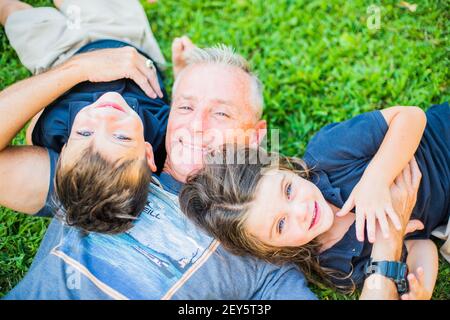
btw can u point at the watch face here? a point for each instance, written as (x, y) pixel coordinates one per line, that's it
(402, 286)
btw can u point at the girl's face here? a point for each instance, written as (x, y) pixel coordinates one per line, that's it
(112, 126)
(288, 211)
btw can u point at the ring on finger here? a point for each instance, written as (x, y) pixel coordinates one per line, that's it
(149, 64)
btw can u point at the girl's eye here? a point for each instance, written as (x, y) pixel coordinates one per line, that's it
(122, 137)
(185, 108)
(289, 190)
(281, 225)
(84, 133)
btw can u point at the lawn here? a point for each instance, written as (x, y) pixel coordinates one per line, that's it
(319, 62)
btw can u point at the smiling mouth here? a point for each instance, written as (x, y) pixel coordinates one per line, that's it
(316, 215)
(111, 105)
(197, 148)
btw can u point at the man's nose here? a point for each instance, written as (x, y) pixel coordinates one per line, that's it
(199, 123)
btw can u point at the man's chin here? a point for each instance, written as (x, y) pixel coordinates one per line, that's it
(181, 171)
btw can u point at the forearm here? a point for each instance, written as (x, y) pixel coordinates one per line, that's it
(406, 127)
(424, 254)
(378, 287)
(21, 101)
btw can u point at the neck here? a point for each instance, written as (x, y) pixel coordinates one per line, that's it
(337, 231)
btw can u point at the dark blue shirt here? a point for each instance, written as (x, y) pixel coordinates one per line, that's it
(340, 152)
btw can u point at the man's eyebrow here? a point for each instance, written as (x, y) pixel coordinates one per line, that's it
(188, 97)
(223, 101)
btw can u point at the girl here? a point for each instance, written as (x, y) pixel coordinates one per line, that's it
(289, 212)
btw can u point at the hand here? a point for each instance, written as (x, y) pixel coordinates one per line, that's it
(372, 199)
(404, 193)
(118, 63)
(417, 290)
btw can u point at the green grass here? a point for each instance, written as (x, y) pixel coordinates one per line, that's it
(319, 63)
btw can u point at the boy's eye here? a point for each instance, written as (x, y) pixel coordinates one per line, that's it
(185, 108)
(84, 133)
(281, 225)
(289, 191)
(122, 137)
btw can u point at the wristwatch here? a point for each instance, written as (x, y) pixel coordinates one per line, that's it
(395, 270)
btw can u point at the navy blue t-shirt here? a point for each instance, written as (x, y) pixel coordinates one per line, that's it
(340, 152)
(53, 128)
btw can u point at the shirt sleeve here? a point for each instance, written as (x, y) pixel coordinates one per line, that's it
(48, 209)
(285, 283)
(340, 144)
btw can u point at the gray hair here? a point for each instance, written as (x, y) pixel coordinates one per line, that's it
(222, 54)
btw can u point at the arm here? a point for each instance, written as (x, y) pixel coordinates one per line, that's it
(423, 265)
(406, 127)
(24, 171)
(378, 287)
(404, 195)
(371, 194)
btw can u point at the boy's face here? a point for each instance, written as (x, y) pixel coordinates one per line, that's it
(113, 128)
(288, 211)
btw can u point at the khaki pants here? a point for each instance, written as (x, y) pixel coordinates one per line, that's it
(443, 232)
(44, 37)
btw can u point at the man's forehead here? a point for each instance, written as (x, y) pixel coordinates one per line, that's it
(213, 81)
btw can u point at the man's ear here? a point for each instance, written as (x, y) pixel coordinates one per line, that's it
(150, 156)
(259, 134)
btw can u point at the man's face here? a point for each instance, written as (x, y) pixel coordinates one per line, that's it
(210, 106)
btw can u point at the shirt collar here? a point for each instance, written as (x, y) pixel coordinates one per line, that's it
(169, 183)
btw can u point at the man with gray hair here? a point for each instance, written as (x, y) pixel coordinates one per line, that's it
(216, 100)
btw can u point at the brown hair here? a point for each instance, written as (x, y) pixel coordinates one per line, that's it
(218, 196)
(97, 195)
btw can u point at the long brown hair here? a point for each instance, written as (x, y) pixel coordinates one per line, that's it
(218, 196)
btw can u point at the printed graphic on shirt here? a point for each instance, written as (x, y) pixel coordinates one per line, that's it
(146, 261)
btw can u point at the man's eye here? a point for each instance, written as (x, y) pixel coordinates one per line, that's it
(289, 190)
(122, 137)
(281, 225)
(222, 114)
(84, 133)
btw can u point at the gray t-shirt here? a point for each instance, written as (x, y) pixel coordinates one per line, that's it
(164, 256)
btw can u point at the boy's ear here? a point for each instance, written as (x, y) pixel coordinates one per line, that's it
(150, 156)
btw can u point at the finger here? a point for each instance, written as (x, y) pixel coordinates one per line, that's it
(150, 74)
(407, 175)
(347, 207)
(384, 225)
(142, 82)
(413, 225)
(415, 172)
(413, 284)
(360, 220)
(394, 217)
(405, 296)
(420, 275)
(399, 181)
(371, 224)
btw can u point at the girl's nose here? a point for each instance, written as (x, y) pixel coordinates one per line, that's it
(301, 213)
